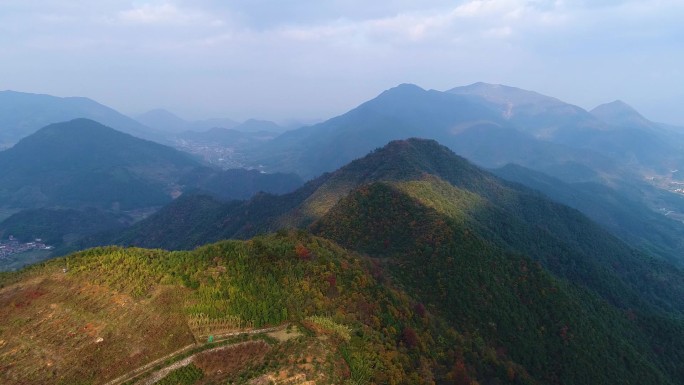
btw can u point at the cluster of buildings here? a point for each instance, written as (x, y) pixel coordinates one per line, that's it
(14, 246)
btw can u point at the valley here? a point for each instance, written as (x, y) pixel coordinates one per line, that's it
(215, 154)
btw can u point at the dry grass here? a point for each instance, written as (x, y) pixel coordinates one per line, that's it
(58, 329)
(222, 363)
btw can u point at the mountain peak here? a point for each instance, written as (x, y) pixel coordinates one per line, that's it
(615, 107)
(163, 120)
(404, 89)
(410, 158)
(78, 126)
(503, 94)
(160, 113)
(619, 113)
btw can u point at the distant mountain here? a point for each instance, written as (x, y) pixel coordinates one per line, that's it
(170, 123)
(226, 137)
(163, 120)
(614, 130)
(492, 125)
(255, 125)
(78, 178)
(469, 124)
(404, 111)
(621, 114)
(84, 163)
(22, 114)
(542, 116)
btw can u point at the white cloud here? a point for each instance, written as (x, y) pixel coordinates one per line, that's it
(165, 14)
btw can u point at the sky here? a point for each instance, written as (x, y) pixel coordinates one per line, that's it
(314, 59)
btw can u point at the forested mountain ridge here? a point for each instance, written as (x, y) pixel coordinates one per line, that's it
(508, 216)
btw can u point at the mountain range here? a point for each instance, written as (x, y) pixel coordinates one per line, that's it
(448, 271)
(401, 260)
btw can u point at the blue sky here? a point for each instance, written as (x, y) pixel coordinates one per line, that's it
(316, 59)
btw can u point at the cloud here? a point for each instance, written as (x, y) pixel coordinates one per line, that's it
(238, 52)
(478, 19)
(167, 14)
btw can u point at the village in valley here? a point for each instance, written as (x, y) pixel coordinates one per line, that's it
(12, 246)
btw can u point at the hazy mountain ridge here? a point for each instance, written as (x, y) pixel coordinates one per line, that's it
(22, 114)
(468, 124)
(166, 121)
(622, 114)
(539, 115)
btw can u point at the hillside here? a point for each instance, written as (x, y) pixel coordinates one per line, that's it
(196, 219)
(625, 215)
(509, 299)
(349, 326)
(240, 183)
(368, 330)
(22, 114)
